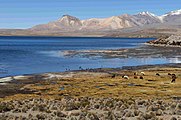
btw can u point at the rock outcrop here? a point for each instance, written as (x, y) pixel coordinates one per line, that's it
(173, 40)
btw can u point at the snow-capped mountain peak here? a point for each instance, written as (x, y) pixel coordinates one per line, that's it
(177, 12)
(169, 16)
(146, 13)
(67, 22)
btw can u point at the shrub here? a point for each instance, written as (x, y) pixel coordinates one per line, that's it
(5, 107)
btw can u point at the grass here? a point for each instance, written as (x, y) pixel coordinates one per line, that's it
(151, 86)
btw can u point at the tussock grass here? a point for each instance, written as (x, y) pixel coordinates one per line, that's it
(151, 86)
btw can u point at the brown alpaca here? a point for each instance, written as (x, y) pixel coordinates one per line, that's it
(157, 74)
(173, 78)
(135, 77)
(141, 77)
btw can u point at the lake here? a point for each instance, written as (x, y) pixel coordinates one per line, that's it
(29, 55)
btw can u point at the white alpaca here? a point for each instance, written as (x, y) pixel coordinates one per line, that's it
(125, 77)
(143, 73)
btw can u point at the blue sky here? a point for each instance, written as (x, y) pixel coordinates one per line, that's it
(27, 13)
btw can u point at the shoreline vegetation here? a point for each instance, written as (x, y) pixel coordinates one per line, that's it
(131, 93)
(140, 92)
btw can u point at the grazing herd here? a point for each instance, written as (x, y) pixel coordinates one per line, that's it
(136, 76)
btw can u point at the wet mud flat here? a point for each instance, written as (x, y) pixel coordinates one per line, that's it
(14, 84)
(139, 52)
(106, 81)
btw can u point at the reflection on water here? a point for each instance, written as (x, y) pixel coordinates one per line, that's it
(177, 59)
(27, 55)
(52, 53)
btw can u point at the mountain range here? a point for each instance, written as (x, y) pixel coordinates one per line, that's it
(143, 24)
(71, 23)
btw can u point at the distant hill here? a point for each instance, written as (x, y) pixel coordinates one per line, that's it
(139, 25)
(69, 23)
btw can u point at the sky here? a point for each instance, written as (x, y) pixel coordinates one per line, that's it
(27, 13)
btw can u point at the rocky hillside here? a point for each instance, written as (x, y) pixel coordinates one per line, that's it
(71, 23)
(144, 24)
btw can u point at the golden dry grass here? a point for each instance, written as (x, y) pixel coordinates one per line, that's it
(152, 86)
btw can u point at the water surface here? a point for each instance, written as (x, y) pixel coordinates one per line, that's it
(27, 55)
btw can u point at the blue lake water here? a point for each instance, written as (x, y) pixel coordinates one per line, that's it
(27, 55)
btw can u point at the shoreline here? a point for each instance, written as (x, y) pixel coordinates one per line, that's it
(163, 45)
(138, 67)
(129, 92)
(96, 92)
(107, 52)
(78, 37)
(24, 80)
(101, 93)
